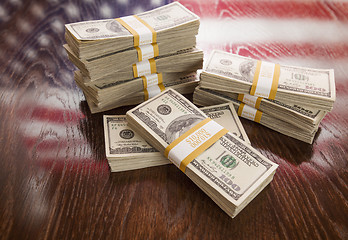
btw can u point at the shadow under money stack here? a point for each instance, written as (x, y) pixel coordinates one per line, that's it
(128, 60)
(287, 99)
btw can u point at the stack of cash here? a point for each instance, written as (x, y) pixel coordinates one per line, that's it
(102, 97)
(137, 55)
(172, 21)
(301, 98)
(126, 150)
(227, 169)
(206, 97)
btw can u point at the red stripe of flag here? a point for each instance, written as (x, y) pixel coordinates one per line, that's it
(270, 9)
(277, 49)
(57, 115)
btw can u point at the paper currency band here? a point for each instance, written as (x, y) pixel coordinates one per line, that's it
(265, 83)
(153, 85)
(142, 32)
(147, 51)
(250, 113)
(145, 67)
(250, 100)
(194, 142)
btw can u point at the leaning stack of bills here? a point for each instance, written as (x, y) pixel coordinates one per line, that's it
(229, 170)
(127, 60)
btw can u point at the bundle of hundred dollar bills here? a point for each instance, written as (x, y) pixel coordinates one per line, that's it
(229, 170)
(126, 150)
(127, 60)
(290, 100)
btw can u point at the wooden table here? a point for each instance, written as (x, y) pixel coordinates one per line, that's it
(54, 177)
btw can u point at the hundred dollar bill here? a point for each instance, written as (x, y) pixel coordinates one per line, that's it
(302, 116)
(126, 150)
(162, 18)
(184, 85)
(180, 61)
(230, 171)
(291, 127)
(226, 115)
(306, 86)
(96, 38)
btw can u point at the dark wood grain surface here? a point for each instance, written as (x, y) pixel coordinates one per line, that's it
(54, 178)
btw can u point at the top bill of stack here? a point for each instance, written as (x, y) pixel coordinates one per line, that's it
(162, 18)
(234, 73)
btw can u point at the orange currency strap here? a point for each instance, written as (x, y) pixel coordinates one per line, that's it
(192, 143)
(250, 113)
(153, 85)
(266, 78)
(147, 51)
(145, 67)
(142, 32)
(250, 100)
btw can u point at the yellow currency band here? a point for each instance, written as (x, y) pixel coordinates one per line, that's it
(153, 67)
(257, 104)
(155, 51)
(131, 30)
(134, 33)
(199, 149)
(154, 34)
(240, 97)
(135, 71)
(146, 92)
(258, 114)
(140, 55)
(160, 85)
(275, 80)
(240, 109)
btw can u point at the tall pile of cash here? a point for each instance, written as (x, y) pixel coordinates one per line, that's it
(229, 170)
(127, 60)
(287, 99)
